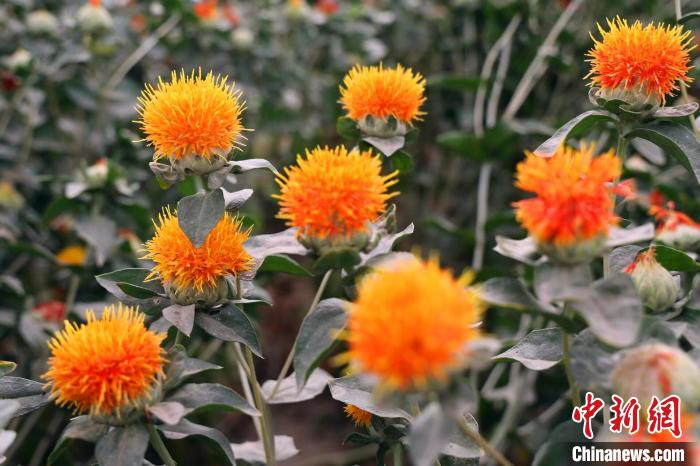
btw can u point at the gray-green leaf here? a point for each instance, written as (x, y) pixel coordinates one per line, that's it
(539, 350)
(198, 214)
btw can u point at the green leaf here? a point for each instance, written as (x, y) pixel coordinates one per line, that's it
(289, 392)
(429, 434)
(82, 428)
(284, 242)
(539, 350)
(676, 140)
(234, 200)
(336, 258)
(459, 448)
(242, 166)
(283, 264)
(578, 125)
(254, 453)
(198, 214)
(523, 250)
(401, 161)
(187, 428)
(359, 391)
(623, 256)
(561, 282)
(170, 412)
(28, 393)
(317, 335)
(675, 260)
(386, 146)
(230, 324)
(612, 309)
(182, 317)
(181, 366)
(689, 17)
(592, 361)
(194, 396)
(100, 233)
(622, 236)
(131, 282)
(7, 367)
(347, 129)
(510, 293)
(678, 111)
(122, 446)
(558, 444)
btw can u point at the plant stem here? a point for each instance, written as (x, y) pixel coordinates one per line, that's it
(178, 337)
(290, 356)
(236, 356)
(566, 359)
(398, 455)
(160, 447)
(483, 443)
(198, 184)
(267, 434)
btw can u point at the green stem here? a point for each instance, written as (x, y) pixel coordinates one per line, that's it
(398, 455)
(290, 356)
(483, 443)
(265, 424)
(160, 447)
(566, 359)
(198, 184)
(178, 337)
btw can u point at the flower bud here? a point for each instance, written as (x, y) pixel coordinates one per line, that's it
(655, 285)
(207, 296)
(18, 61)
(321, 246)
(242, 38)
(637, 98)
(578, 252)
(683, 236)
(94, 18)
(194, 164)
(42, 22)
(96, 175)
(657, 370)
(381, 127)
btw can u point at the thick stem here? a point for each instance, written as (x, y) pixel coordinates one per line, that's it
(236, 356)
(265, 425)
(398, 455)
(160, 447)
(290, 356)
(483, 443)
(566, 359)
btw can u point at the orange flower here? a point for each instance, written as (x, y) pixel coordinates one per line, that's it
(573, 200)
(360, 417)
(180, 265)
(411, 323)
(191, 115)
(72, 255)
(383, 92)
(333, 192)
(107, 365)
(205, 9)
(648, 60)
(673, 227)
(51, 311)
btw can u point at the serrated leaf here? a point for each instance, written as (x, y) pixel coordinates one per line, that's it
(538, 350)
(122, 446)
(194, 396)
(229, 323)
(198, 214)
(580, 124)
(289, 392)
(317, 334)
(676, 140)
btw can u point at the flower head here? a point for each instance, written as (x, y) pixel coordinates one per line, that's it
(191, 115)
(72, 255)
(205, 9)
(51, 311)
(360, 417)
(334, 193)
(674, 228)
(573, 201)
(648, 61)
(187, 269)
(656, 286)
(383, 92)
(411, 323)
(106, 366)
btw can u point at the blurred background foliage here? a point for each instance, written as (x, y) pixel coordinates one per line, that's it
(77, 197)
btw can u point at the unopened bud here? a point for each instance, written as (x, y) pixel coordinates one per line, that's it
(381, 127)
(94, 18)
(683, 236)
(656, 286)
(207, 296)
(42, 22)
(96, 174)
(18, 61)
(578, 252)
(242, 38)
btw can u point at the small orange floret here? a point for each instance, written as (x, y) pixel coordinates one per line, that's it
(668, 218)
(205, 9)
(651, 59)
(191, 115)
(360, 417)
(383, 92)
(181, 265)
(411, 323)
(573, 199)
(105, 365)
(72, 255)
(333, 192)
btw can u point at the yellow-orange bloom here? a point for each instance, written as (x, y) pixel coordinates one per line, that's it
(360, 417)
(181, 265)
(649, 60)
(72, 255)
(573, 198)
(333, 192)
(106, 365)
(411, 323)
(191, 115)
(383, 92)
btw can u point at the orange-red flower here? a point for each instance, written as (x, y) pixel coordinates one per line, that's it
(205, 9)
(674, 228)
(181, 265)
(383, 92)
(648, 60)
(191, 115)
(360, 417)
(573, 200)
(106, 365)
(72, 255)
(411, 323)
(333, 192)
(51, 311)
